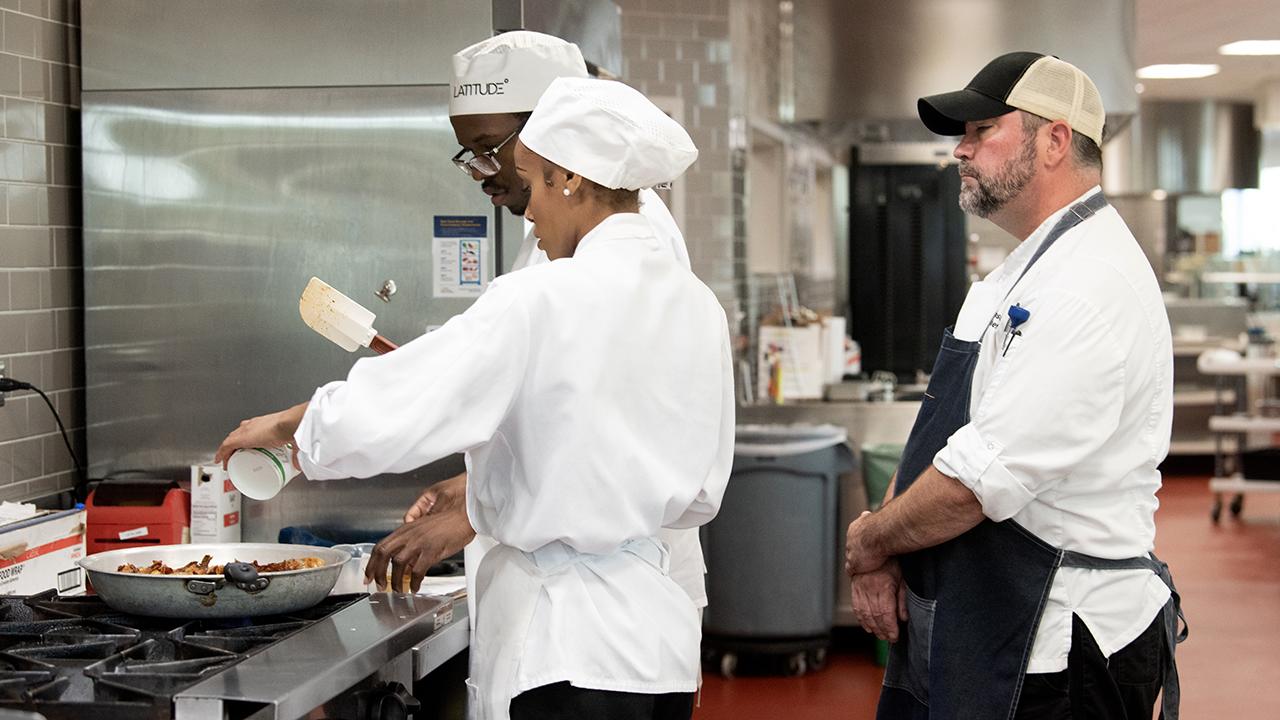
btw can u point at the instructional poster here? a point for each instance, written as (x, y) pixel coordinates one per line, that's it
(461, 249)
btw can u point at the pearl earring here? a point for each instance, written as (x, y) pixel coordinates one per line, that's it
(567, 193)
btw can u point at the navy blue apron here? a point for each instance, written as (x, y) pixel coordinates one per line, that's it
(975, 601)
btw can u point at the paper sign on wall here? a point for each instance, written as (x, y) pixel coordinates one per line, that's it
(461, 250)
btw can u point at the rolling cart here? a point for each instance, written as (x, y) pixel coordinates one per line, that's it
(1242, 462)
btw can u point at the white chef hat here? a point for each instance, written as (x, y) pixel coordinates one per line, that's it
(509, 72)
(609, 133)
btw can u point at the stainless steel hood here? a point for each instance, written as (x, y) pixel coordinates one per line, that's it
(1184, 147)
(870, 60)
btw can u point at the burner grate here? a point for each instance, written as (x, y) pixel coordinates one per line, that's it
(160, 667)
(76, 658)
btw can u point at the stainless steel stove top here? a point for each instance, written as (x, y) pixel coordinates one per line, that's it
(77, 658)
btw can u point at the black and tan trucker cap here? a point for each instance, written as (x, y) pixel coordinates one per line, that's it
(1039, 84)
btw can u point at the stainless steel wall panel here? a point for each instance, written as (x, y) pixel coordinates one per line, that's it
(865, 59)
(206, 212)
(160, 44)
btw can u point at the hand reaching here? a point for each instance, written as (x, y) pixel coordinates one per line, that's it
(436, 527)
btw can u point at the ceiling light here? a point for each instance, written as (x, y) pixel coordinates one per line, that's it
(1251, 47)
(1177, 71)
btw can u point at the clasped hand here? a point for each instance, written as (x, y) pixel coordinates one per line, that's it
(876, 586)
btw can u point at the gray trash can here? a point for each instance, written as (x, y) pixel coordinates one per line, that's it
(772, 551)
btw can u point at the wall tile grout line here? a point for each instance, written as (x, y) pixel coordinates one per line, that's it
(41, 246)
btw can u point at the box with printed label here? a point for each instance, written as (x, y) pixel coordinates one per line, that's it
(215, 506)
(40, 553)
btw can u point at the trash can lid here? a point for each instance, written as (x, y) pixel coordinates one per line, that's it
(783, 440)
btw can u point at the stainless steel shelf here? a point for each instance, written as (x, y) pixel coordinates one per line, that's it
(1193, 348)
(1233, 278)
(1243, 366)
(1240, 485)
(1192, 447)
(1203, 397)
(1243, 424)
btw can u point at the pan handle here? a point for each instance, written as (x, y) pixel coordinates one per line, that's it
(245, 577)
(203, 587)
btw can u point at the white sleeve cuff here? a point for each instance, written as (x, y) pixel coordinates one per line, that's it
(975, 462)
(305, 437)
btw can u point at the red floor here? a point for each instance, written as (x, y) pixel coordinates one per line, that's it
(1229, 578)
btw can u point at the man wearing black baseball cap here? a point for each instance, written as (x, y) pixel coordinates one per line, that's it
(1013, 566)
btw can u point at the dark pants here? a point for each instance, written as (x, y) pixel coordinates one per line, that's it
(562, 701)
(1124, 687)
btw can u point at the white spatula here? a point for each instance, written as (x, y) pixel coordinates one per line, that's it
(341, 319)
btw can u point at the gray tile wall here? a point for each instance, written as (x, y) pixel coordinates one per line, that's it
(41, 318)
(675, 48)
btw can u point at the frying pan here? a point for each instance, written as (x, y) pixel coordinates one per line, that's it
(240, 591)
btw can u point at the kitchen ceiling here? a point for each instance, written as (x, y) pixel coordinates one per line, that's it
(1190, 31)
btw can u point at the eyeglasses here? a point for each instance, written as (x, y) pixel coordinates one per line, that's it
(486, 163)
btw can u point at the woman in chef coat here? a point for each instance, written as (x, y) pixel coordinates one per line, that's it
(618, 422)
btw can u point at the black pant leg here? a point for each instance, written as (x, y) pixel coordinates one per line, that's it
(562, 701)
(673, 706)
(1138, 671)
(1044, 697)
(1095, 688)
(1094, 694)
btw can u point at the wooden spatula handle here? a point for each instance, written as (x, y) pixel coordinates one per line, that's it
(381, 345)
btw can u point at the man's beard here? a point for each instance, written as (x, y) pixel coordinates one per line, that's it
(991, 192)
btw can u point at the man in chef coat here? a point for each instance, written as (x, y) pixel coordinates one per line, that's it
(496, 83)
(594, 395)
(1022, 517)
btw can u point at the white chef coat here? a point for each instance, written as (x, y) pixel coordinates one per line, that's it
(594, 395)
(688, 567)
(1069, 425)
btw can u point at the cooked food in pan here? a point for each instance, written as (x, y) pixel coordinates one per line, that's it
(204, 568)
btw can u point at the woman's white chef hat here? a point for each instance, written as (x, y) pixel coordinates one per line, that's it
(609, 133)
(509, 72)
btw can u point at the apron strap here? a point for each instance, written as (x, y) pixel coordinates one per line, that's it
(1075, 215)
(556, 555)
(1172, 615)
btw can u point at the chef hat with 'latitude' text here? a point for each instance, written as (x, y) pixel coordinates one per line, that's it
(609, 133)
(509, 72)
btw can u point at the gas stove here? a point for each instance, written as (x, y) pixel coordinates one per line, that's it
(75, 657)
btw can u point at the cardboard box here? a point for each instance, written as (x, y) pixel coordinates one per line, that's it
(796, 355)
(215, 506)
(40, 553)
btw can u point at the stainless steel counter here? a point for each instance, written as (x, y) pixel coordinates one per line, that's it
(867, 423)
(389, 637)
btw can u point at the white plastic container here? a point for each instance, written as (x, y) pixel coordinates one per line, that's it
(261, 473)
(351, 579)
